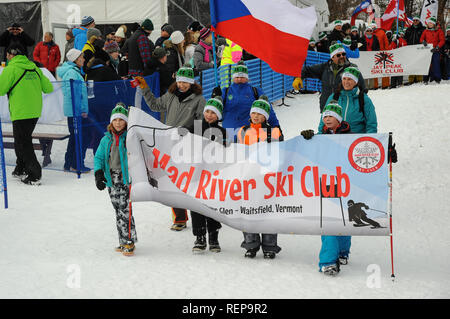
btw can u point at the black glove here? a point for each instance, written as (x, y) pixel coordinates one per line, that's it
(307, 134)
(392, 153)
(100, 180)
(217, 91)
(424, 43)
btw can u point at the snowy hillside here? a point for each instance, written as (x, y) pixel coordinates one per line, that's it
(57, 239)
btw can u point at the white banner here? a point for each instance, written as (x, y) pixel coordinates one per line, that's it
(331, 184)
(408, 60)
(429, 9)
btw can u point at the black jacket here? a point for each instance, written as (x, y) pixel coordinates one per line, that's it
(323, 46)
(132, 47)
(165, 75)
(413, 34)
(213, 132)
(99, 72)
(335, 35)
(6, 39)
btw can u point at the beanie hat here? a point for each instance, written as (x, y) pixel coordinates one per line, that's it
(373, 25)
(73, 54)
(347, 41)
(119, 112)
(261, 106)
(239, 70)
(69, 33)
(111, 47)
(337, 22)
(86, 20)
(204, 33)
(159, 53)
(416, 18)
(352, 73)
(147, 25)
(168, 28)
(215, 104)
(336, 48)
(312, 41)
(354, 28)
(322, 35)
(195, 26)
(177, 37)
(120, 33)
(333, 109)
(448, 28)
(93, 31)
(432, 20)
(185, 74)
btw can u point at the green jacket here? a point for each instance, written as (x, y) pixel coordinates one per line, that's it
(25, 100)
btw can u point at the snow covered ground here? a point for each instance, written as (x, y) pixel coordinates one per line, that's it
(57, 240)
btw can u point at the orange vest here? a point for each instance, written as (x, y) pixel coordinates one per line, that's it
(255, 133)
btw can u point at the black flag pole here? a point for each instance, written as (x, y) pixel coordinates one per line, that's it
(390, 206)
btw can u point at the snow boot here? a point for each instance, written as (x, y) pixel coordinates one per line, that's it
(331, 270)
(119, 248)
(178, 226)
(269, 255)
(31, 181)
(343, 260)
(200, 244)
(18, 173)
(128, 249)
(214, 242)
(251, 253)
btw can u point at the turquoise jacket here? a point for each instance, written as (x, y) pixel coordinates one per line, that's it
(70, 71)
(101, 159)
(359, 122)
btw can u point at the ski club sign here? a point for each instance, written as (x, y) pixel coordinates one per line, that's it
(329, 185)
(408, 60)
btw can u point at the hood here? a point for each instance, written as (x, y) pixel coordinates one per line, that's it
(22, 62)
(67, 66)
(77, 31)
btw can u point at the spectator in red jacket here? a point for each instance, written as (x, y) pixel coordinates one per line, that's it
(47, 53)
(435, 37)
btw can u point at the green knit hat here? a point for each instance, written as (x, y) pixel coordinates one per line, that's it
(333, 109)
(337, 22)
(185, 74)
(312, 41)
(239, 70)
(119, 112)
(347, 41)
(336, 48)
(432, 20)
(352, 73)
(261, 106)
(147, 25)
(354, 28)
(215, 104)
(322, 35)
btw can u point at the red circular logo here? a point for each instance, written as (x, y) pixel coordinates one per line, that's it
(366, 154)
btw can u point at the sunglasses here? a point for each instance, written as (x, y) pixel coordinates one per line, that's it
(341, 54)
(369, 31)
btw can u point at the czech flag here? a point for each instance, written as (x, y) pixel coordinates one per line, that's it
(277, 32)
(365, 6)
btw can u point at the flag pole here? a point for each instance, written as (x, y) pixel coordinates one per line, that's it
(212, 11)
(390, 211)
(398, 13)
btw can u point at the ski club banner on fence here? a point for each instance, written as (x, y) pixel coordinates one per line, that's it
(408, 60)
(331, 184)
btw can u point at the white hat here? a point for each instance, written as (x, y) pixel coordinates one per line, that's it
(119, 33)
(177, 37)
(73, 54)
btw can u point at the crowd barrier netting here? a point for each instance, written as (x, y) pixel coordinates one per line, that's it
(103, 96)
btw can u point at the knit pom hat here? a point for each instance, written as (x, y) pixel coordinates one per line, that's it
(120, 33)
(333, 109)
(336, 48)
(347, 41)
(354, 28)
(261, 106)
(352, 73)
(111, 47)
(119, 112)
(86, 20)
(312, 41)
(147, 25)
(177, 37)
(185, 74)
(239, 70)
(432, 20)
(204, 33)
(337, 22)
(215, 104)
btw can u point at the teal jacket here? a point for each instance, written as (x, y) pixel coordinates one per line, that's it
(101, 159)
(69, 71)
(359, 122)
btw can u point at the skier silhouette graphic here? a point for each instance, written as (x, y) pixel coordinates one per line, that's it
(357, 215)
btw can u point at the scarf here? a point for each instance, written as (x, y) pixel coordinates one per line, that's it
(207, 49)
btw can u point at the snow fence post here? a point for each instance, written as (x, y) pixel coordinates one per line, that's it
(76, 130)
(3, 172)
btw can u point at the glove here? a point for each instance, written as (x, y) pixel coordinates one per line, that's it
(100, 180)
(307, 134)
(217, 91)
(424, 43)
(297, 83)
(392, 154)
(142, 83)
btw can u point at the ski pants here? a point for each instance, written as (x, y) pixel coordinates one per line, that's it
(179, 215)
(23, 146)
(70, 158)
(255, 241)
(332, 248)
(119, 194)
(201, 223)
(435, 67)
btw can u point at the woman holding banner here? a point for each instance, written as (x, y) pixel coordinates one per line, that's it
(183, 104)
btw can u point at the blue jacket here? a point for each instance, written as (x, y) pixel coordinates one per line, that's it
(359, 122)
(237, 105)
(70, 71)
(350, 53)
(80, 35)
(101, 159)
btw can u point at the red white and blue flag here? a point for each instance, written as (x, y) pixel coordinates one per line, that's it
(277, 32)
(394, 10)
(365, 6)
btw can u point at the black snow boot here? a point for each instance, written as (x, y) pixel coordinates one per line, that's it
(251, 253)
(214, 242)
(200, 244)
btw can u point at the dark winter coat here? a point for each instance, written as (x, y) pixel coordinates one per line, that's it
(99, 72)
(165, 75)
(375, 44)
(330, 79)
(213, 132)
(159, 42)
(323, 46)
(199, 59)
(174, 59)
(413, 34)
(7, 38)
(343, 128)
(335, 35)
(69, 45)
(135, 52)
